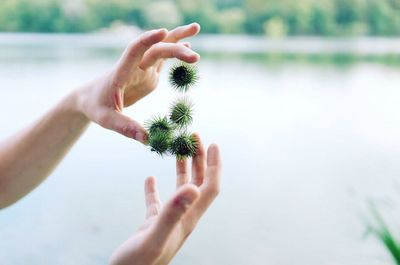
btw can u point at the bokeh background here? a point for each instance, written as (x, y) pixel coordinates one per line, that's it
(302, 96)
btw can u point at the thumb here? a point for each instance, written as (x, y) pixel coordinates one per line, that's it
(173, 212)
(124, 125)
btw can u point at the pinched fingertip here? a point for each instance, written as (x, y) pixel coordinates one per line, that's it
(193, 58)
(142, 136)
(188, 55)
(196, 27)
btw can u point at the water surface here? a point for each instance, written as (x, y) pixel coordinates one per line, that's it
(303, 145)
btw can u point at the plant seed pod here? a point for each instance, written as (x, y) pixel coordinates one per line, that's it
(184, 146)
(181, 113)
(183, 76)
(160, 142)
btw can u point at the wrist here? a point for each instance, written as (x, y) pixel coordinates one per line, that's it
(73, 103)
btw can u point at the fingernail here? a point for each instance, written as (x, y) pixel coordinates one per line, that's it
(188, 52)
(196, 55)
(141, 137)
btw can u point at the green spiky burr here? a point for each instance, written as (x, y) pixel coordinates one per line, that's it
(181, 113)
(183, 76)
(183, 146)
(160, 142)
(160, 134)
(159, 123)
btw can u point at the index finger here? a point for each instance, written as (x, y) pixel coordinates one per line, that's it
(198, 162)
(134, 52)
(182, 32)
(182, 174)
(178, 34)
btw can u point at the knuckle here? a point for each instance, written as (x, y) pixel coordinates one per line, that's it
(182, 175)
(132, 49)
(145, 39)
(173, 52)
(103, 119)
(153, 208)
(161, 50)
(197, 181)
(189, 230)
(175, 38)
(128, 130)
(142, 38)
(214, 190)
(156, 49)
(125, 130)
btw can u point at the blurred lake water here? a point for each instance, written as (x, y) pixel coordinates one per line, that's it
(305, 141)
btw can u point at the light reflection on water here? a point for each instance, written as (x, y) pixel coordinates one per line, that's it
(302, 145)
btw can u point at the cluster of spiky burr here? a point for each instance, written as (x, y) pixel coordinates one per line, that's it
(169, 134)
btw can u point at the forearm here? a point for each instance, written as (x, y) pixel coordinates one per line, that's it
(29, 156)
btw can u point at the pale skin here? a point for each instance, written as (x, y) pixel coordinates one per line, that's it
(167, 226)
(29, 156)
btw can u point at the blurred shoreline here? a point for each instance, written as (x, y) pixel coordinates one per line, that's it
(363, 46)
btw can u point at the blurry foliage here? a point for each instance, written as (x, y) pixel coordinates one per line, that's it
(381, 230)
(275, 27)
(272, 17)
(163, 14)
(231, 20)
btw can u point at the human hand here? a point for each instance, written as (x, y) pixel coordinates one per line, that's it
(167, 226)
(135, 75)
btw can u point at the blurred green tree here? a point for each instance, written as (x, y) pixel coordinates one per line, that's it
(272, 17)
(380, 20)
(231, 20)
(163, 14)
(201, 11)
